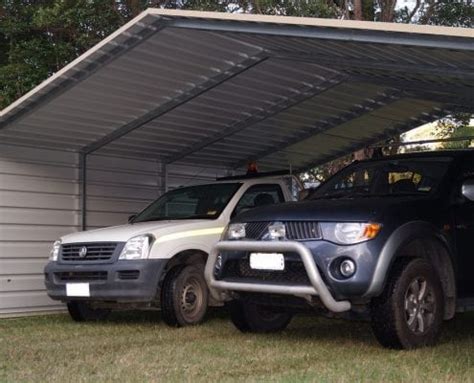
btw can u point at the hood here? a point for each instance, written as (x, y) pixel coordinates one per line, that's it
(340, 210)
(124, 232)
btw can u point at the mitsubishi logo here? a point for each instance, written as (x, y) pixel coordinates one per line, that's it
(82, 251)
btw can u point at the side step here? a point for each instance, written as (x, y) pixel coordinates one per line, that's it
(464, 305)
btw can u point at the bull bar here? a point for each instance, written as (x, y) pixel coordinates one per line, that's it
(318, 287)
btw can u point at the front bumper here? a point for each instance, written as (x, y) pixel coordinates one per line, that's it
(121, 281)
(317, 286)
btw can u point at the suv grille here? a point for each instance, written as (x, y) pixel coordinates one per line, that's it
(255, 230)
(97, 251)
(295, 230)
(299, 230)
(294, 273)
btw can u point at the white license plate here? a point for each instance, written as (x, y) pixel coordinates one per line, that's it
(267, 261)
(78, 290)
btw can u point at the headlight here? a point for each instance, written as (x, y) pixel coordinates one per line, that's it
(349, 233)
(54, 253)
(136, 248)
(277, 231)
(236, 231)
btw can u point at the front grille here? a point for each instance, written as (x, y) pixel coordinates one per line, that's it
(295, 230)
(97, 251)
(301, 230)
(239, 269)
(255, 230)
(81, 276)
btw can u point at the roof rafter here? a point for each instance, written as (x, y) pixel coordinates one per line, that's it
(309, 91)
(367, 106)
(174, 103)
(422, 118)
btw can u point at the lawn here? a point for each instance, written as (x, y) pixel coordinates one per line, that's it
(137, 347)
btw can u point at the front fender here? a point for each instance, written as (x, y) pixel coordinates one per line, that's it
(397, 240)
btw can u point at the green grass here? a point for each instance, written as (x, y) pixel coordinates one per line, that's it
(137, 347)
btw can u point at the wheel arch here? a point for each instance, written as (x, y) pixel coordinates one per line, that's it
(418, 239)
(186, 257)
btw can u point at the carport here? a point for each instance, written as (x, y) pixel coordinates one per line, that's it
(193, 94)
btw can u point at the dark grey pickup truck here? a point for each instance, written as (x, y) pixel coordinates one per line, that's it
(389, 240)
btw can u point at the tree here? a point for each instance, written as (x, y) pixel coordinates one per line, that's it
(455, 126)
(42, 36)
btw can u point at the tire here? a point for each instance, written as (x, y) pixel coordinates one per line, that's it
(184, 296)
(83, 312)
(252, 317)
(409, 313)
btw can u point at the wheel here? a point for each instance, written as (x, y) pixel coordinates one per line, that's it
(184, 296)
(252, 317)
(409, 313)
(82, 311)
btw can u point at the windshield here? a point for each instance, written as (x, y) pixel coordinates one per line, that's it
(195, 202)
(385, 178)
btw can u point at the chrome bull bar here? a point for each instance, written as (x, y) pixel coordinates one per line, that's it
(318, 287)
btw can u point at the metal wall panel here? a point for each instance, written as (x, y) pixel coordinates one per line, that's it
(39, 202)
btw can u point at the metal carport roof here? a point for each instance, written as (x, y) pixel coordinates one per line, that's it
(214, 89)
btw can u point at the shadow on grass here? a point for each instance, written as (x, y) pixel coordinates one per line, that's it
(154, 316)
(458, 330)
(310, 328)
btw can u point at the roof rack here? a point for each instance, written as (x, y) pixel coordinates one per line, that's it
(255, 175)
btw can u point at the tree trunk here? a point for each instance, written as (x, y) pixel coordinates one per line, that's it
(358, 10)
(387, 13)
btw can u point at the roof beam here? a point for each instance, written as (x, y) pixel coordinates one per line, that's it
(325, 33)
(174, 103)
(415, 122)
(369, 105)
(345, 63)
(309, 91)
(93, 65)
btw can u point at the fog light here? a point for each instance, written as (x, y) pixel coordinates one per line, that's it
(347, 268)
(218, 264)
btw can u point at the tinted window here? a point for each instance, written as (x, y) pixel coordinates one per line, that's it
(259, 195)
(390, 177)
(195, 202)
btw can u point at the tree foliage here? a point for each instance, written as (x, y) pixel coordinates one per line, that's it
(455, 126)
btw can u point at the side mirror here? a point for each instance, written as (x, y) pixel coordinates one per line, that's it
(131, 218)
(468, 189)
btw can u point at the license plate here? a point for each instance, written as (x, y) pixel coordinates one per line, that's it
(267, 261)
(78, 290)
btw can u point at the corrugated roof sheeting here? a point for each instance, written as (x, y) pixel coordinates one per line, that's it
(219, 90)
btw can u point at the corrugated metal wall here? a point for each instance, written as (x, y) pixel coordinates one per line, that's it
(39, 202)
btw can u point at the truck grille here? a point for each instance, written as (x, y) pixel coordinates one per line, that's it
(97, 251)
(295, 230)
(239, 269)
(81, 276)
(255, 230)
